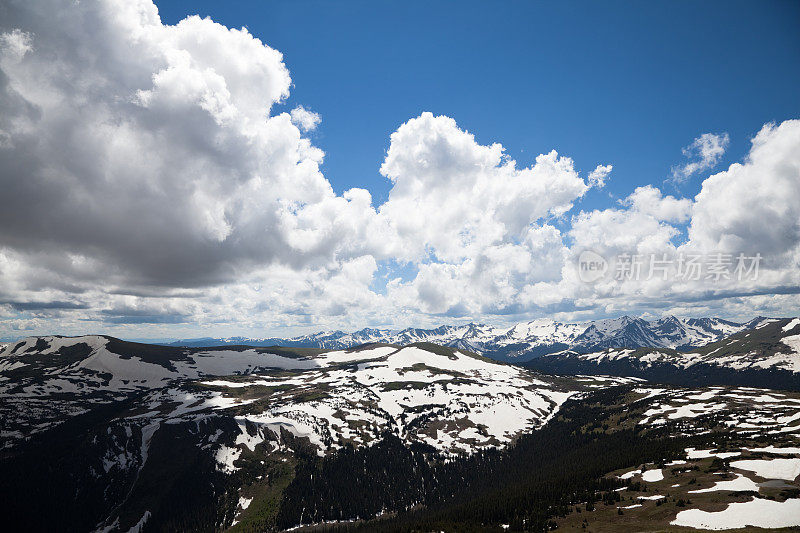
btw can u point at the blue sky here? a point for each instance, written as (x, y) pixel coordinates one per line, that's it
(165, 175)
(626, 83)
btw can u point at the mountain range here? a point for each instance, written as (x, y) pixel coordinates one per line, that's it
(101, 434)
(118, 417)
(765, 356)
(523, 341)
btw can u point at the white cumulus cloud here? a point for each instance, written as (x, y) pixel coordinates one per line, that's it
(452, 197)
(754, 206)
(150, 148)
(704, 153)
(597, 177)
(304, 119)
(150, 176)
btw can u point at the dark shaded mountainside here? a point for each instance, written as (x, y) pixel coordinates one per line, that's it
(767, 357)
(179, 488)
(99, 434)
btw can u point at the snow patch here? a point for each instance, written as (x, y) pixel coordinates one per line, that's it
(755, 513)
(653, 475)
(739, 484)
(787, 469)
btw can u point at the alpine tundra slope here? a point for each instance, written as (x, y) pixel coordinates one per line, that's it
(103, 434)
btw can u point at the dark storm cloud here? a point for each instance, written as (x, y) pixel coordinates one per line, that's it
(39, 306)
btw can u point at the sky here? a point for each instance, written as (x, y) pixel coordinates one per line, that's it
(273, 168)
(626, 82)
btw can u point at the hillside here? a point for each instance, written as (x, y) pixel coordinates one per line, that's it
(766, 356)
(115, 435)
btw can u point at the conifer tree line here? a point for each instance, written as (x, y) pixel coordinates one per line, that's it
(545, 474)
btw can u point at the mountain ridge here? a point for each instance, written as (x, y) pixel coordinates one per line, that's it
(245, 437)
(765, 356)
(523, 341)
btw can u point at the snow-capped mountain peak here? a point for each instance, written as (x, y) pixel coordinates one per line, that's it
(531, 339)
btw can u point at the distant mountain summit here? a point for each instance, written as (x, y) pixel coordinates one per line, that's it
(524, 341)
(763, 353)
